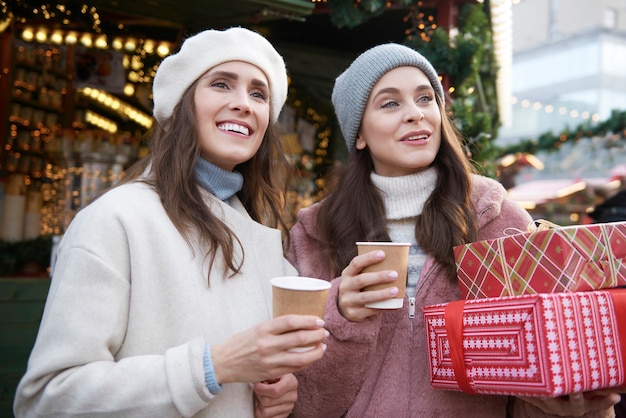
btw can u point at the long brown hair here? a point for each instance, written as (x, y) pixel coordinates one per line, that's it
(171, 163)
(354, 209)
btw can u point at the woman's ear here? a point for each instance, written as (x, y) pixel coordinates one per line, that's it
(360, 142)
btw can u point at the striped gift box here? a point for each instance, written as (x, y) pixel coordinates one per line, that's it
(531, 345)
(577, 258)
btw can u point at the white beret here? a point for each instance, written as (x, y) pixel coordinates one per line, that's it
(209, 48)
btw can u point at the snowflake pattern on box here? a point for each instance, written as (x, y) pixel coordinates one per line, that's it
(577, 258)
(531, 345)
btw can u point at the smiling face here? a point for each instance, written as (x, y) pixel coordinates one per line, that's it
(232, 111)
(401, 124)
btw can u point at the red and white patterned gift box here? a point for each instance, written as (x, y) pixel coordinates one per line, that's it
(530, 345)
(577, 258)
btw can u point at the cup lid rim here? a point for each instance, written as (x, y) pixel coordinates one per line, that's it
(315, 283)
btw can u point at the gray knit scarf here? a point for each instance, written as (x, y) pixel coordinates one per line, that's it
(221, 183)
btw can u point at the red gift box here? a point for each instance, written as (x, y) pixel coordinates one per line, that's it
(577, 258)
(530, 345)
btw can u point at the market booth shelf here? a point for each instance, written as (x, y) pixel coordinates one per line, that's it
(531, 345)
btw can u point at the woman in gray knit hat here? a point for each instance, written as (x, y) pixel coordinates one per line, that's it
(407, 180)
(160, 301)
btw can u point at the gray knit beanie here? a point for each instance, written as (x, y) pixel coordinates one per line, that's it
(353, 86)
(209, 48)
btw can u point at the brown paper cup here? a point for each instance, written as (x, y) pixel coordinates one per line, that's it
(396, 258)
(300, 296)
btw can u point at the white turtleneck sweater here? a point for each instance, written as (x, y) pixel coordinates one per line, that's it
(404, 199)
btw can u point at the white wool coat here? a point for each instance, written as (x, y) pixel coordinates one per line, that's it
(129, 313)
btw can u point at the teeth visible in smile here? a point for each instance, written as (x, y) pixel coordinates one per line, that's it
(233, 127)
(416, 138)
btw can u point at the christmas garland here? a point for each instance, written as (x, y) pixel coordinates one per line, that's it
(615, 127)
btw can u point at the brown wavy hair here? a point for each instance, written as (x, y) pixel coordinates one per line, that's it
(353, 209)
(171, 163)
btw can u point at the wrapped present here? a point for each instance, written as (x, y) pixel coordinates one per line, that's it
(576, 258)
(530, 345)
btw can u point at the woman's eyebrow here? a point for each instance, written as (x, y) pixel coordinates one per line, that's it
(234, 76)
(420, 88)
(385, 90)
(225, 74)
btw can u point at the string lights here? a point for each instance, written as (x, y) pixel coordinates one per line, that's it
(561, 110)
(422, 24)
(55, 23)
(139, 49)
(136, 50)
(117, 105)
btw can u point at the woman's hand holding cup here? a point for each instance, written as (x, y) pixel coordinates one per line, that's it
(374, 278)
(264, 352)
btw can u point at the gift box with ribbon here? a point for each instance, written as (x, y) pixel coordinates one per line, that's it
(531, 345)
(545, 260)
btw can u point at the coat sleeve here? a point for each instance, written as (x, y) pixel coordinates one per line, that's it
(498, 215)
(304, 250)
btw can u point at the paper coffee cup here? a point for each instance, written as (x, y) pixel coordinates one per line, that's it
(396, 258)
(300, 296)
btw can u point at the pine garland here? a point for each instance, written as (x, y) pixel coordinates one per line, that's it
(549, 142)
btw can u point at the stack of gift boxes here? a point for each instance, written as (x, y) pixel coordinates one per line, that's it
(542, 314)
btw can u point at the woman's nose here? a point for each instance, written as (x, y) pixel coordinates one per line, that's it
(414, 113)
(241, 101)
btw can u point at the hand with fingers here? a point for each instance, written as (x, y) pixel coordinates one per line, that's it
(352, 298)
(263, 352)
(576, 404)
(275, 398)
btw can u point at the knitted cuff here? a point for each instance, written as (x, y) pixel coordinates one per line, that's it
(209, 373)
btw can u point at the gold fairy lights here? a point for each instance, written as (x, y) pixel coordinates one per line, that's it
(422, 24)
(117, 105)
(136, 50)
(58, 29)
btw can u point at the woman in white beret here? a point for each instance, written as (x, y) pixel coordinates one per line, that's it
(160, 300)
(407, 180)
